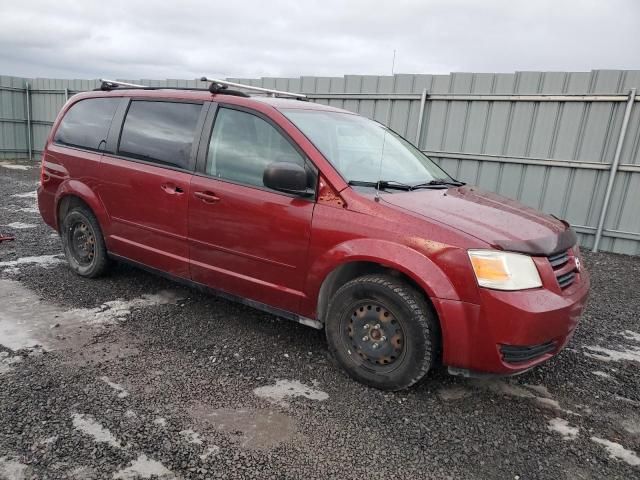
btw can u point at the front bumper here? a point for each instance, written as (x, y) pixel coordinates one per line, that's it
(510, 332)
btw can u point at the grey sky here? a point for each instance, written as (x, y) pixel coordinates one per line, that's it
(146, 39)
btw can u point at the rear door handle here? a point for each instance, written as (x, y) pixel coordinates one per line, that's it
(172, 189)
(207, 197)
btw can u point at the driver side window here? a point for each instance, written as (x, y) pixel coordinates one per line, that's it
(242, 145)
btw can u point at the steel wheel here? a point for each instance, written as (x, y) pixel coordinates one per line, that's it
(375, 335)
(83, 243)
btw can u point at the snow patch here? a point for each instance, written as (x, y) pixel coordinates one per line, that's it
(130, 414)
(87, 425)
(160, 421)
(191, 436)
(118, 310)
(213, 450)
(601, 374)
(143, 467)
(33, 194)
(289, 388)
(631, 335)
(616, 450)
(116, 386)
(20, 225)
(12, 469)
(45, 261)
(13, 166)
(7, 362)
(561, 426)
(631, 354)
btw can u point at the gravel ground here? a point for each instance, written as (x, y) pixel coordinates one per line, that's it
(137, 377)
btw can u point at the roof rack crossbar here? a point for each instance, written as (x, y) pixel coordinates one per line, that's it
(269, 91)
(116, 83)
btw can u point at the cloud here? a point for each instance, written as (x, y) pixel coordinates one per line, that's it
(138, 39)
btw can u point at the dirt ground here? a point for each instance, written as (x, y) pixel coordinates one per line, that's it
(132, 376)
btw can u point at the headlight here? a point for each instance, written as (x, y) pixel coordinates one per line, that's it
(504, 270)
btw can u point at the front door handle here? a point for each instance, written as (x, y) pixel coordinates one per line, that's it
(207, 197)
(172, 189)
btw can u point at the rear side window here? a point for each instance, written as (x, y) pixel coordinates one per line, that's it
(87, 123)
(160, 132)
(242, 145)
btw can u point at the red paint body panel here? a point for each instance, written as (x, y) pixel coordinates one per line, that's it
(250, 242)
(147, 207)
(278, 249)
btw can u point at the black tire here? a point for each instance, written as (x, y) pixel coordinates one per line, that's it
(83, 243)
(405, 332)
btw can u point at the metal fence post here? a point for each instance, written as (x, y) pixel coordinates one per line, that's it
(423, 99)
(66, 95)
(29, 134)
(614, 169)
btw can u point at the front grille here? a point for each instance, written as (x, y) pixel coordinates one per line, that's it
(520, 354)
(559, 259)
(558, 262)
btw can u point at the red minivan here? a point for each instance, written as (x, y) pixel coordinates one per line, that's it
(317, 215)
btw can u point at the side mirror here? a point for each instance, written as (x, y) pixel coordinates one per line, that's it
(286, 177)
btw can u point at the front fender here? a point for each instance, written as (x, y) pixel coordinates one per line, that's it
(410, 262)
(81, 190)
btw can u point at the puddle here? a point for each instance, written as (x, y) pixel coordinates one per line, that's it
(630, 354)
(12, 469)
(122, 393)
(615, 450)
(26, 321)
(561, 426)
(87, 425)
(254, 429)
(289, 388)
(144, 467)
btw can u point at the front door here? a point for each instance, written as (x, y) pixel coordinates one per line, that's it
(145, 185)
(244, 238)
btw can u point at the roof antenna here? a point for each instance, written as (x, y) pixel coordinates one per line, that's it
(384, 139)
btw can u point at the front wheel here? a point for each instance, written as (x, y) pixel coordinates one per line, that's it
(382, 332)
(83, 243)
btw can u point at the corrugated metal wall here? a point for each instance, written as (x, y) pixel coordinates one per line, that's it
(554, 155)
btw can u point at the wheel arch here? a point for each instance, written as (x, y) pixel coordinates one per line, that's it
(364, 256)
(72, 193)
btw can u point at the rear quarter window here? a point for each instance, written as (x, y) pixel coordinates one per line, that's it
(160, 132)
(86, 124)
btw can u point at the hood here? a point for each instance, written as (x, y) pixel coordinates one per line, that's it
(503, 223)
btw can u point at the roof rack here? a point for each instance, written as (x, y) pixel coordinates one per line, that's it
(217, 86)
(108, 85)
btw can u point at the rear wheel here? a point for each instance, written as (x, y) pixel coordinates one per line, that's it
(382, 332)
(83, 243)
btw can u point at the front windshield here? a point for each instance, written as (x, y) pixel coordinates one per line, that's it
(363, 150)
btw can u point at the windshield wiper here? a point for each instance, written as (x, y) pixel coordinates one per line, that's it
(440, 182)
(381, 184)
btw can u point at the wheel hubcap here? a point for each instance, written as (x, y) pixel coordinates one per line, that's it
(375, 334)
(83, 243)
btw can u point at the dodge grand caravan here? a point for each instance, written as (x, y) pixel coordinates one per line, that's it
(317, 215)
